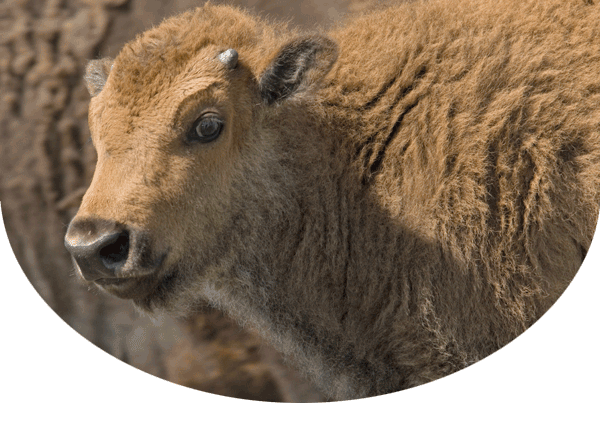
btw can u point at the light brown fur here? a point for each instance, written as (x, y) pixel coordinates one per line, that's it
(423, 197)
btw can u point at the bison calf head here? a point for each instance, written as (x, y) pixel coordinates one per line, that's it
(180, 123)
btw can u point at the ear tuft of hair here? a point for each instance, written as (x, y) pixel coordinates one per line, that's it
(96, 74)
(298, 65)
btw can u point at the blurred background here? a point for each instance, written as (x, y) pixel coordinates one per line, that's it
(46, 166)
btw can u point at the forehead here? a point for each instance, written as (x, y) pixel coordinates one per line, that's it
(174, 67)
(166, 74)
(159, 96)
(181, 49)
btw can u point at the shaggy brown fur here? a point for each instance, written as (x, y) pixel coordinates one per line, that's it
(387, 204)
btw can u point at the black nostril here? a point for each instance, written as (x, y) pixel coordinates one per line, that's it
(107, 252)
(100, 248)
(116, 250)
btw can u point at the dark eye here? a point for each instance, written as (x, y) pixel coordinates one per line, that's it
(206, 128)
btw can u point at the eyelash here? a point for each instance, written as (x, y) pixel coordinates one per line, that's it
(208, 121)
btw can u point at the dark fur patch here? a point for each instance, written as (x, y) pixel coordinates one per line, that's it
(288, 72)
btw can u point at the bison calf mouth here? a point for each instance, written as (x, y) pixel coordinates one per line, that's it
(129, 288)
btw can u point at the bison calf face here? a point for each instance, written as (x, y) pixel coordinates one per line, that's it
(181, 153)
(166, 148)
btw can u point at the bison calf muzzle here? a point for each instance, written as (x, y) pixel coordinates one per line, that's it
(110, 254)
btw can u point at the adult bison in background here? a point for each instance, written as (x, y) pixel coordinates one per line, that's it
(386, 203)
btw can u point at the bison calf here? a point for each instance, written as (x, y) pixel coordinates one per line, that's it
(386, 203)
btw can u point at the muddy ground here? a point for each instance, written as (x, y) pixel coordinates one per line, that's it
(46, 165)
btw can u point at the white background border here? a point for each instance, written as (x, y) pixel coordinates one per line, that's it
(53, 378)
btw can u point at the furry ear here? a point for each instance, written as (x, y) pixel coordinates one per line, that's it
(96, 73)
(298, 65)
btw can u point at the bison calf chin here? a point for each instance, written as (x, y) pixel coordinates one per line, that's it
(386, 203)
